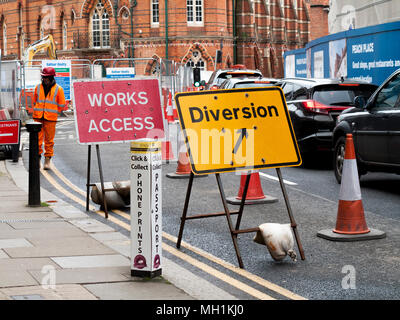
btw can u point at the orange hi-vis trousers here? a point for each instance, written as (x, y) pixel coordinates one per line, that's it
(47, 134)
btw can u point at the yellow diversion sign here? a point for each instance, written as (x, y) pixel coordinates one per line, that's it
(237, 129)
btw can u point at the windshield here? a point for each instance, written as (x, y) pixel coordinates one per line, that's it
(341, 95)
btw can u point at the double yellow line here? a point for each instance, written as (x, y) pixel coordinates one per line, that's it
(179, 254)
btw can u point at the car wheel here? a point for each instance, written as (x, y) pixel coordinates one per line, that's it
(338, 158)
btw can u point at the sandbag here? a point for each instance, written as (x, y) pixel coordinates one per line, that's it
(124, 190)
(113, 199)
(278, 238)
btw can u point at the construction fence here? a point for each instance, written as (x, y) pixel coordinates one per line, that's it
(19, 78)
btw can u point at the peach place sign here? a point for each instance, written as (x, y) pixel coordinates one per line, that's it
(117, 111)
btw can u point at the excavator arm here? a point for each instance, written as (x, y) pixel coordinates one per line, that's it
(45, 43)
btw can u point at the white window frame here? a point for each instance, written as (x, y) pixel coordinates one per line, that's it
(103, 20)
(155, 8)
(4, 39)
(194, 6)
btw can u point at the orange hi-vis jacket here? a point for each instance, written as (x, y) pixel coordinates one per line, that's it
(50, 106)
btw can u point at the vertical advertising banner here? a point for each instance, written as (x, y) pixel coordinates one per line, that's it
(373, 57)
(319, 64)
(338, 59)
(301, 65)
(146, 209)
(290, 66)
(63, 74)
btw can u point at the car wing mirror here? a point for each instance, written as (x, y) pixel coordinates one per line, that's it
(360, 102)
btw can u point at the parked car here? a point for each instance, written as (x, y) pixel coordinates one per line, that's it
(247, 83)
(221, 75)
(375, 125)
(314, 105)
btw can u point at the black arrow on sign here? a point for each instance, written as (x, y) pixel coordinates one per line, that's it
(243, 134)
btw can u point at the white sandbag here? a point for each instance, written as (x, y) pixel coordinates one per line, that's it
(113, 199)
(278, 238)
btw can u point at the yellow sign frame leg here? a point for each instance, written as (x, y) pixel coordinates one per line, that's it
(235, 230)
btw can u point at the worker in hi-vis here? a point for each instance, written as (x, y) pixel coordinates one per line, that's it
(48, 101)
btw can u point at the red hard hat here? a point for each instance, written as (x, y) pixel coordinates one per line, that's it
(48, 72)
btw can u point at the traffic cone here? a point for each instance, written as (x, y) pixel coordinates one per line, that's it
(166, 150)
(170, 112)
(183, 169)
(255, 194)
(174, 111)
(350, 221)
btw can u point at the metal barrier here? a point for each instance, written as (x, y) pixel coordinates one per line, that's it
(10, 86)
(30, 75)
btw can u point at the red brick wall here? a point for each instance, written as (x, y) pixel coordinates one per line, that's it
(262, 33)
(318, 18)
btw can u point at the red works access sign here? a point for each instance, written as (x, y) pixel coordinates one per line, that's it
(117, 110)
(9, 131)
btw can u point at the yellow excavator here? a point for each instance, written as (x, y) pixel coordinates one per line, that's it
(27, 92)
(44, 43)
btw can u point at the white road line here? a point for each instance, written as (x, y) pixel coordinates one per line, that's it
(267, 176)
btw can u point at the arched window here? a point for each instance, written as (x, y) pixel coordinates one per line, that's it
(196, 61)
(4, 39)
(100, 27)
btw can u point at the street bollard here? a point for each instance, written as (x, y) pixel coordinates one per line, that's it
(146, 209)
(34, 173)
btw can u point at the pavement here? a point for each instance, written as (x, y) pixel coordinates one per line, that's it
(56, 252)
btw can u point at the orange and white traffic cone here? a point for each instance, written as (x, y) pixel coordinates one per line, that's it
(350, 221)
(166, 150)
(170, 112)
(255, 194)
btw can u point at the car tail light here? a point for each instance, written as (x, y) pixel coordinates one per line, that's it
(214, 87)
(349, 84)
(262, 81)
(318, 107)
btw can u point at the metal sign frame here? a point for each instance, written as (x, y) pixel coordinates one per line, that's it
(246, 91)
(235, 231)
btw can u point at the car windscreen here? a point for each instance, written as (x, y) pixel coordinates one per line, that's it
(253, 84)
(342, 94)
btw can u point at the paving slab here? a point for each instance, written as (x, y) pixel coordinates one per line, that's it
(15, 278)
(155, 289)
(26, 264)
(87, 275)
(74, 246)
(3, 255)
(92, 261)
(69, 212)
(121, 246)
(91, 226)
(12, 206)
(40, 224)
(14, 243)
(60, 292)
(107, 236)
(7, 214)
(47, 233)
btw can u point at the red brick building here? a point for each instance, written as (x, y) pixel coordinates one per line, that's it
(250, 32)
